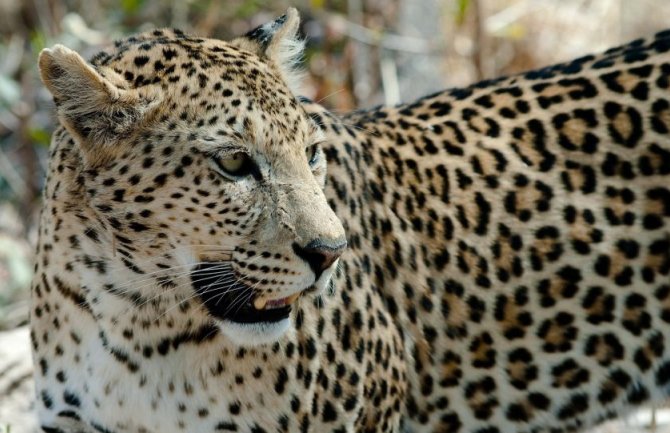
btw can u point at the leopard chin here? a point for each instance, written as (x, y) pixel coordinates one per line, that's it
(255, 334)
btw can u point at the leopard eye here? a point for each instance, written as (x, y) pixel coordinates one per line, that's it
(312, 152)
(237, 165)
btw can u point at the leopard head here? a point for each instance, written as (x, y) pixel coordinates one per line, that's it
(204, 177)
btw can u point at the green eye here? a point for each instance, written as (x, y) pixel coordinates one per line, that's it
(312, 153)
(237, 165)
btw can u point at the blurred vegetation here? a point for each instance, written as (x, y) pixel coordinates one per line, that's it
(360, 53)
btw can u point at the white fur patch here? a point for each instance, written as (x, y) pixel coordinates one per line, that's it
(288, 57)
(254, 334)
(322, 283)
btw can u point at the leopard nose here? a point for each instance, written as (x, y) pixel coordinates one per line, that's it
(320, 254)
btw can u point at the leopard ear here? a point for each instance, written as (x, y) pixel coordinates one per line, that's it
(97, 112)
(278, 42)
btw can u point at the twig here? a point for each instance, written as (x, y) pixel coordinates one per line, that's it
(389, 73)
(388, 41)
(13, 55)
(497, 22)
(361, 52)
(653, 423)
(480, 52)
(12, 176)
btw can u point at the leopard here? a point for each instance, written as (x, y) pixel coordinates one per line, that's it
(217, 253)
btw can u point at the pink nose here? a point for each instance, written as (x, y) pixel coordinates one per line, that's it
(320, 255)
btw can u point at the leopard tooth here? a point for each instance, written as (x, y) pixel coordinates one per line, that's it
(291, 299)
(260, 303)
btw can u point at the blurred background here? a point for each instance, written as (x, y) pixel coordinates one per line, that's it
(360, 53)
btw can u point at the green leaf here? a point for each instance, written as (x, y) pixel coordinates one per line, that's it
(40, 136)
(462, 10)
(38, 41)
(131, 6)
(247, 8)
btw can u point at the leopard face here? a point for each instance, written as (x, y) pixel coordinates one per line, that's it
(204, 178)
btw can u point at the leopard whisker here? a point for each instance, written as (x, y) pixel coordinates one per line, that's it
(152, 275)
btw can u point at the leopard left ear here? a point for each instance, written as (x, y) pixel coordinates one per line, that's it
(278, 42)
(97, 112)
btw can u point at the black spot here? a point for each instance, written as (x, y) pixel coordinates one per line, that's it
(282, 379)
(46, 399)
(71, 398)
(168, 54)
(141, 60)
(517, 413)
(350, 403)
(539, 401)
(663, 374)
(329, 413)
(638, 394)
(138, 227)
(226, 426)
(602, 266)
(578, 404)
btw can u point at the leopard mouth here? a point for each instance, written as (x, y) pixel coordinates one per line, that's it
(236, 301)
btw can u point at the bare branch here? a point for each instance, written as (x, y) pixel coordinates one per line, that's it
(385, 40)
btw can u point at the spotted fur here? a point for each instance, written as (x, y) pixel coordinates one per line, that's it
(508, 267)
